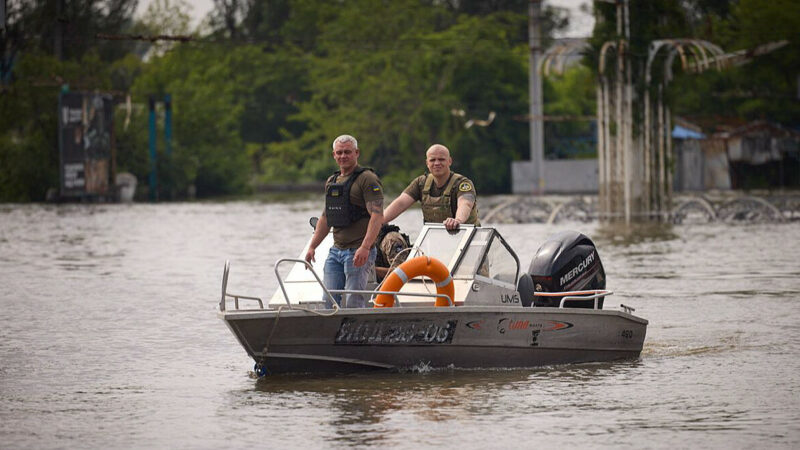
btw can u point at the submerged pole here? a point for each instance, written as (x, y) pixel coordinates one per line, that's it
(601, 157)
(627, 129)
(168, 124)
(153, 154)
(535, 93)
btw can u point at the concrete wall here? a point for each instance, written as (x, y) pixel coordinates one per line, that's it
(563, 176)
(522, 181)
(716, 167)
(690, 165)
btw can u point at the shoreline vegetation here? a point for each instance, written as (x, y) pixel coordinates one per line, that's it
(260, 88)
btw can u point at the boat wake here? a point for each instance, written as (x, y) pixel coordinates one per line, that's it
(673, 349)
(422, 367)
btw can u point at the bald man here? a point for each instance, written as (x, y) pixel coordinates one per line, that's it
(446, 196)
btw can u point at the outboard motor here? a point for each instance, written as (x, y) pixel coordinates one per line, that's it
(567, 261)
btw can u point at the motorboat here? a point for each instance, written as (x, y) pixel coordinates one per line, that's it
(487, 312)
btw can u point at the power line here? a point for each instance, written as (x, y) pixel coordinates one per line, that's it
(371, 42)
(143, 37)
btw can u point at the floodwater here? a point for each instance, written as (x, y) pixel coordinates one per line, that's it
(109, 338)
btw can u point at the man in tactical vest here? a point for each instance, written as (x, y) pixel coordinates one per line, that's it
(446, 196)
(354, 208)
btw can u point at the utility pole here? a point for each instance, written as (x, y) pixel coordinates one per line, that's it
(152, 128)
(535, 94)
(58, 45)
(153, 179)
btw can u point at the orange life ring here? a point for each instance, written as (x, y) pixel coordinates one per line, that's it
(421, 265)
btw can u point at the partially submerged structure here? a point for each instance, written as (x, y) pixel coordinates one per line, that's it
(736, 155)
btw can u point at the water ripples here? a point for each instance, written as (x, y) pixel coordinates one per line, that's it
(109, 337)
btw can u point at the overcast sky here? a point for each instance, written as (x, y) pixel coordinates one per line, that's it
(580, 23)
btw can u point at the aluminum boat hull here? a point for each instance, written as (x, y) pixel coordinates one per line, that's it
(297, 340)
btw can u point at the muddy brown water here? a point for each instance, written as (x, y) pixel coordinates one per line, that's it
(109, 338)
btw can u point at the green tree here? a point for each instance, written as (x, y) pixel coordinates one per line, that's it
(763, 88)
(207, 86)
(29, 122)
(166, 17)
(570, 95)
(68, 29)
(49, 45)
(395, 83)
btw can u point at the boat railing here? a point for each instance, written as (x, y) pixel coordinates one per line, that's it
(570, 296)
(395, 294)
(235, 297)
(329, 292)
(309, 267)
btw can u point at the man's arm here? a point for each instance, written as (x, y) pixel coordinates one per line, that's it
(397, 207)
(465, 204)
(381, 272)
(319, 235)
(375, 210)
(464, 207)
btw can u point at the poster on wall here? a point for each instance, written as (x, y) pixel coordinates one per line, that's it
(85, 125)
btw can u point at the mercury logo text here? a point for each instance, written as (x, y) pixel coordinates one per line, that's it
(577, 269)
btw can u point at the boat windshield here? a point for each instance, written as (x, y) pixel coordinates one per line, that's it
(500, 263)
(441, 244)
(485, 253)
(469, 264)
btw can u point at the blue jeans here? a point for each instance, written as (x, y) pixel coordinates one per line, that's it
(340, 273)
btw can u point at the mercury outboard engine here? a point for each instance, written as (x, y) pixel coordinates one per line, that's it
(567, 261)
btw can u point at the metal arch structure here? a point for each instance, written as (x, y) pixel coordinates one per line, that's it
(749, 209)
(686, 209)
(615, 131)
(635, 179)
(695, 55)
(789, 206)
(615, 171)
(696, 204)
(603, 129)
(557, 56)
(703, 52)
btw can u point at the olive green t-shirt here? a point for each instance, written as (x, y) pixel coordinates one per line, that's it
(466, 186)
(366, 188)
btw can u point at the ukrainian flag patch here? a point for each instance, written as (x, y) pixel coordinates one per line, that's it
(376, 188)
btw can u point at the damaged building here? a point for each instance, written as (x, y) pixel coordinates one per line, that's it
(756, 155)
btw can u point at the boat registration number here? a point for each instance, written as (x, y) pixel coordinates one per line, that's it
(391, 332)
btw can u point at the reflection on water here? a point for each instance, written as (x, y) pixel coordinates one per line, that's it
(109, 338)
(367, 402)
(621, 234)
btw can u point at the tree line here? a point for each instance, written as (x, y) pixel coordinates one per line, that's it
(261, 88)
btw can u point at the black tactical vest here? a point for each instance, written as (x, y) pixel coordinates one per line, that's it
(338, 209)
